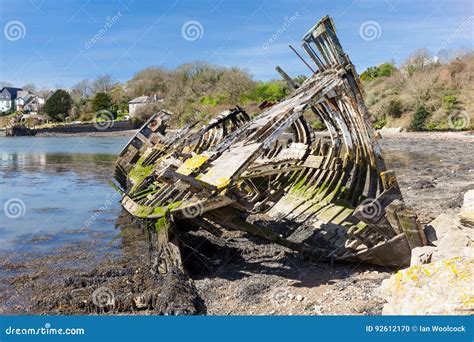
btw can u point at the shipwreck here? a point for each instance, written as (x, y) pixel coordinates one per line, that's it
(328, 196)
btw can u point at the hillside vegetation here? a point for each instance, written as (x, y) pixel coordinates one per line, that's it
(194, 91)
(423, 93)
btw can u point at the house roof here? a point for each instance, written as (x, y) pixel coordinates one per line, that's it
(141, 99)
(13, 91)
(22, 93)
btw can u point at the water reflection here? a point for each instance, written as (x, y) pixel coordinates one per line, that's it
(62, 183)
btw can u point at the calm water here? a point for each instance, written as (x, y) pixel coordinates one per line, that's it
(53, 190)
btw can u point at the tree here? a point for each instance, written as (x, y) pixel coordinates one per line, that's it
(152, 80)
(58, 105)
(235, 82)
(83, 89)
(101, 101)
(417, 61)
(103, 84)
(31, 87)
(119, 98)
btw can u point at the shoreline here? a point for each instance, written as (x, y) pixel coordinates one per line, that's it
(128, 132)
(441, 135)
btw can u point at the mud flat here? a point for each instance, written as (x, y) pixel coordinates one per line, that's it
(235, 273)
(434, 170)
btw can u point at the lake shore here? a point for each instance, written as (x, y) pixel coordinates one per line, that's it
(90, 134)
(96, 133)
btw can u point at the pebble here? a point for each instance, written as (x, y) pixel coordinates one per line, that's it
(299, 298)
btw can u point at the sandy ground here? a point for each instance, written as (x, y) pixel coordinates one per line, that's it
(236, 274)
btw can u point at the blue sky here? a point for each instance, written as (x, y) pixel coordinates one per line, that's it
(52, 45)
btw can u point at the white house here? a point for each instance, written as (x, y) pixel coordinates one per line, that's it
(29, 102)
(141, 101)
(8, 97)
(17, 99)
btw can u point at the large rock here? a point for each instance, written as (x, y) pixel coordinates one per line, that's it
(422, 255)
(466, 216)
(444, 287)
(456, 243)
(437, 228)
(452, 236)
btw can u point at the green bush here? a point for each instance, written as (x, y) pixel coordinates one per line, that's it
(431, 126)
(209, 100)
(418, 121)
(383, 70)
(395, 108)
(450, 103)
(369, 74)
(379, 123)
(267, 91)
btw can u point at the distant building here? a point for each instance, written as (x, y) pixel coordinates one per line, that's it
(141, 101)
(29, 102)
(8, 97)
(17, 99)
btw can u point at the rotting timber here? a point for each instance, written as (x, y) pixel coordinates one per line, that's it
(330, 199)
